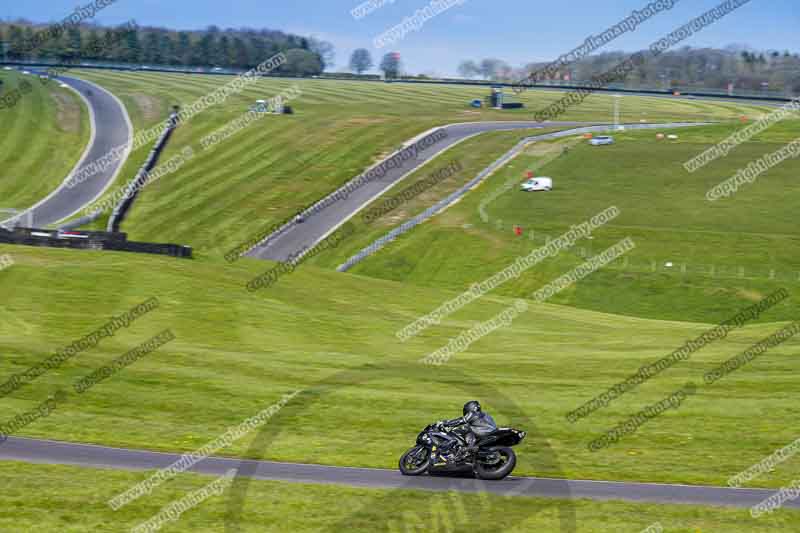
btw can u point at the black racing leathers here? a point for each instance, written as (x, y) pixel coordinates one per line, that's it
(479, 425)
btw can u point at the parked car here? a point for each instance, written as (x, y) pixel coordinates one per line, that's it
(599, 141)
(538, 184)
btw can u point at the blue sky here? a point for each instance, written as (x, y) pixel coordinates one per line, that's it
(517, 31)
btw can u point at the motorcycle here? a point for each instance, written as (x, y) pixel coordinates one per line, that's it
(441, 450)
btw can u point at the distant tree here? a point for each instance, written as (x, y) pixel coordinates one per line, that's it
(390, 65)
(361, 61)
(151, 53)
(15, 36)
(109, 47)
(74, 45)
(27, 36)
(259, 50)
(132, 49)
(490, 68)
(468, 69)
(202, 50)
(183, 50)
(223, 52)
(301, 62)
(92, 47)
(52, 48)
(167, 49)
(240, 54)
(325, 51)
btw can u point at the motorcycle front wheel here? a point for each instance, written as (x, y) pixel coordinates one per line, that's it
(415, 461)
(502, 468)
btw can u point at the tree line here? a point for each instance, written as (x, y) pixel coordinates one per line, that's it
(239, 49)
(709, 68)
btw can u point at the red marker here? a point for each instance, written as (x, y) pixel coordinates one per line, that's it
(518, 230)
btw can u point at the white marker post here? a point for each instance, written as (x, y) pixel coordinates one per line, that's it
(617, 125)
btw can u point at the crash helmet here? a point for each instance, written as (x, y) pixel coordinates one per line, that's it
(472, 407)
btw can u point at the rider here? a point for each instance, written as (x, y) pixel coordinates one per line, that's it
(477, 424)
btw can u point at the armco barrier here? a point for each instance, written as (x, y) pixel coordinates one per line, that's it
(436, 208)
(82, 221)
(133, 187)
(89, 240)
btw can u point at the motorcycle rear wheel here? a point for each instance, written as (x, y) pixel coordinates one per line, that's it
(508, 460)
(412, 463)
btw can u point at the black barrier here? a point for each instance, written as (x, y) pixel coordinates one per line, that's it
(135, 185)
(89, 240)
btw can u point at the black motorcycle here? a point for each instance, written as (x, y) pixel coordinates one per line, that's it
(441, 450)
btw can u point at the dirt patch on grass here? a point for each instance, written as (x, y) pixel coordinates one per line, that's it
(494, 239)
(750, 295)
(547, 147)
(68, 111)
(149, 106)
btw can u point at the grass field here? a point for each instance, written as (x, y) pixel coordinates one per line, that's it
(34, 492)
(332, 335)
(280, 164)
(43, 137)
(724, 254)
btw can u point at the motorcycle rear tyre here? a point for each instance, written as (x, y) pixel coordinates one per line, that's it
(488, 472)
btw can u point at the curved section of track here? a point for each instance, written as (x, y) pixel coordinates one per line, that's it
(322, 223)
(304, 236)
(111, 127)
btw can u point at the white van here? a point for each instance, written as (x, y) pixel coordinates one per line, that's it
(538, 184)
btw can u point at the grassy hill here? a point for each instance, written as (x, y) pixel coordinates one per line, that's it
(282, 163)
(332, 336)
(41, 139)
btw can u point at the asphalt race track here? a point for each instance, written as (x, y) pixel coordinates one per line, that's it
(316, 227)
(86, 455)
(301, 237)
(111, 127)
